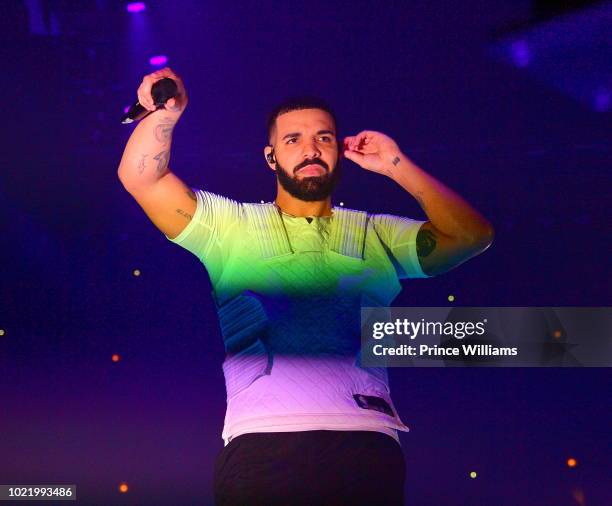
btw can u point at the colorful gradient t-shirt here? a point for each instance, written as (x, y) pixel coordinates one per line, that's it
(288, 291)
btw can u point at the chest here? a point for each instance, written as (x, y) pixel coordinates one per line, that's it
(279, 256)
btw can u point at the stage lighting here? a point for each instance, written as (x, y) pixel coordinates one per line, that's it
(158, 60)
(134, 7)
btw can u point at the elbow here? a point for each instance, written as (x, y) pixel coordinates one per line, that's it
(485, 237)
(479, 239)
(124, 178)
(120, 175)
(490, 234)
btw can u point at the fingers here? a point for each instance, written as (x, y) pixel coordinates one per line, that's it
(144, 93)
(347, 142)
(358, 142)
(144, 90)
(353, 142)
(354, 156)
(363, 138)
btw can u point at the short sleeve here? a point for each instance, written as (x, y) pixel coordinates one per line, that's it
(211, 231)
(398, 236)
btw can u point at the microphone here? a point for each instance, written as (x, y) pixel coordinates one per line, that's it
(161, 91)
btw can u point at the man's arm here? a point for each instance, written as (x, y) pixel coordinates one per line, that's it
(455, 231)
(144, 171)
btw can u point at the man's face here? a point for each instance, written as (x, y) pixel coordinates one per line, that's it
(306, 152)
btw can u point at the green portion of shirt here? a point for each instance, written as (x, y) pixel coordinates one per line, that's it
(296, 259)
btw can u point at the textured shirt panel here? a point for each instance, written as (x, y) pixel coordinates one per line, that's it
(399, 234)
(289, 292)
(212, 232)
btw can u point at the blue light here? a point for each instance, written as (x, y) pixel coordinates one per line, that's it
(521, 55)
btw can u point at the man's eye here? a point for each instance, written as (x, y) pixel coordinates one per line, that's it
(326, 138)
(290, 141)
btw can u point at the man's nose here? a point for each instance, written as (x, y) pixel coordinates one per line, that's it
(310, 150)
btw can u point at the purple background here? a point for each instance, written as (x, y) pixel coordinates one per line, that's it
(533, 160)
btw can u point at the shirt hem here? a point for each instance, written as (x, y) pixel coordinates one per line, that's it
(322, 421)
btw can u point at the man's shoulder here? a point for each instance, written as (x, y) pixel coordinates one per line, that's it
(208, 196)
(374, 219)
(341, 209)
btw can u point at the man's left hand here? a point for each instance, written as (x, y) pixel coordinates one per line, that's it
(373, 151)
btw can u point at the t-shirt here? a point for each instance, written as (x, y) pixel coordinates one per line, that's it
(288, 291)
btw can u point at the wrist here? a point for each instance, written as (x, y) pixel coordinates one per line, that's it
(396, 164)
(173, 114)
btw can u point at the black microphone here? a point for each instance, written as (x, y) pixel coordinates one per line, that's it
(162, 91)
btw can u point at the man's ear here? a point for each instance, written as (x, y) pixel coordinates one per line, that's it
(270, 158)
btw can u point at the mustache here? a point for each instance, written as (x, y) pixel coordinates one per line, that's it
(314, 161)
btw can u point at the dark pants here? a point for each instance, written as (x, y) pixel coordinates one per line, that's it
(316, 467)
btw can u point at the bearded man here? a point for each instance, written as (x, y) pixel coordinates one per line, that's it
(305, 423)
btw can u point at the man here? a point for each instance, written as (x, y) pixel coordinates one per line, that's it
(305, 423)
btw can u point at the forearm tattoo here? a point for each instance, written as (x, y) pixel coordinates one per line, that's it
(185, 214)
(141, 164)
(163, 157)
(396, 160)
(163, 131)
(425, 242)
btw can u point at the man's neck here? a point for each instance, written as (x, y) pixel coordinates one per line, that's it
(296, 207)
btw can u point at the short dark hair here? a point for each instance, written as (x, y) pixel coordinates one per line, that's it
(297, 104)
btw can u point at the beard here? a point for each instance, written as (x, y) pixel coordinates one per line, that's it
(310, 188)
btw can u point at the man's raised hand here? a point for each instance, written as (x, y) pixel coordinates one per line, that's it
(176, 105)
(373, 151)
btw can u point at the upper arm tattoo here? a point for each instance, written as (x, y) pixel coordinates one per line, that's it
(163, 131)
(425, 242)
(184, 213)
(163, 157)
(141, 164)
